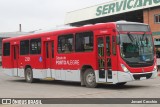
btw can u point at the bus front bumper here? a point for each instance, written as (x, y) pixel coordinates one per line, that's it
(126, 77)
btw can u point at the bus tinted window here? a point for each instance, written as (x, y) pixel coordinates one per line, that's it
(35, 46)
(6, 49)
(84, 42)
(108, 46)
(114, 45)
(52, 49)
(65, 43)
(24, 47)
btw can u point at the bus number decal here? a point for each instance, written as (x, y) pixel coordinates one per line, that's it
(27, 59)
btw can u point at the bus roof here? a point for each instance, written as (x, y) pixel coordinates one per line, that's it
(70, 30)
(135, 23)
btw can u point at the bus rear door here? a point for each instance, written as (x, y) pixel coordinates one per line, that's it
(49, 56)
(15, 57)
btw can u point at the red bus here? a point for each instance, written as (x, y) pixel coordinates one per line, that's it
(113, 53)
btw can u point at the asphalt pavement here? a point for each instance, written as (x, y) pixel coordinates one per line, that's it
(15, 87)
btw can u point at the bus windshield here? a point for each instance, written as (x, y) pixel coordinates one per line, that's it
(136, 48)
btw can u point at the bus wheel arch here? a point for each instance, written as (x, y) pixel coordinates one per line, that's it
(28, 74)
(84, 70)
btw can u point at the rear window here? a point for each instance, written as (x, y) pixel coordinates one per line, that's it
(6, 49)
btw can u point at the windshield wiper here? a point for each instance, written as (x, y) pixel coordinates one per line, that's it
(130, 36)
(142, 44)
(143, 35)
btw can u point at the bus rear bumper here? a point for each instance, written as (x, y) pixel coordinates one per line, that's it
(14, 72)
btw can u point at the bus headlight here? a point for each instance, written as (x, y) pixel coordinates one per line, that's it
(124, 68)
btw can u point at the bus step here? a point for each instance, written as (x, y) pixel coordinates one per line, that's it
(49, 79)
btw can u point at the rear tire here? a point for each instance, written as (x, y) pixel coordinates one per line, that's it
(90, 78)
(29, 75)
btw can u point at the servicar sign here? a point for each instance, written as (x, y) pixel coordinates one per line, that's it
(124, 6)
(108, 9)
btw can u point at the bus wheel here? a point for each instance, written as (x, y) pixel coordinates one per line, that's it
(29, 75)
(121, 84)
(90, 79)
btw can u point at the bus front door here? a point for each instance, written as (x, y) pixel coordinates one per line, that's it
(104, 59)
(15, 57)
(49, 56)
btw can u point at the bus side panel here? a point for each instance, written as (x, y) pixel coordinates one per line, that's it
(7, 65)
(34, 61)
(67, 66)
(6, 62)
(74, 61)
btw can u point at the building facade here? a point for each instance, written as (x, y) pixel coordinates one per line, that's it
(152, 17)
(144, 11)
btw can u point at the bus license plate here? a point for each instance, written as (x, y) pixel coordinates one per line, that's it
(143, 78)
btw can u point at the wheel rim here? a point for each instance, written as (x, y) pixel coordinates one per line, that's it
(90, 78)
(29, 75)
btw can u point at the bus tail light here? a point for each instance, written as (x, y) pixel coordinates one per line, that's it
(124, 68)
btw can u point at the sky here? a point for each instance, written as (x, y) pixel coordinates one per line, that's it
(38, 14)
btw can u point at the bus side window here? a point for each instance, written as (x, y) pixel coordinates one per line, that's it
(84, 42)
(14, 53)
(52, 49)
(108, 45)
(65, 43)
(47, 53)
(6, 49)
(114, 45)
(35, 46)
(24, 47)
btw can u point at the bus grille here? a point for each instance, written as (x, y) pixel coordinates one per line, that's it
(138, 76)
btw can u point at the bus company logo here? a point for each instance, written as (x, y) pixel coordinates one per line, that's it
(6, 101)
(64, 61)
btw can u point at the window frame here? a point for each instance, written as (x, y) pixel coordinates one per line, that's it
(30, 50)
(4, 49)
(114, 45)
(84, 36)
(108, 45)
(46, 50)
(53, 49)
(65, 36)
(155, 21)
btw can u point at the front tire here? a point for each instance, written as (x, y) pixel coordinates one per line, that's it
(90, 78)
(29, 75)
